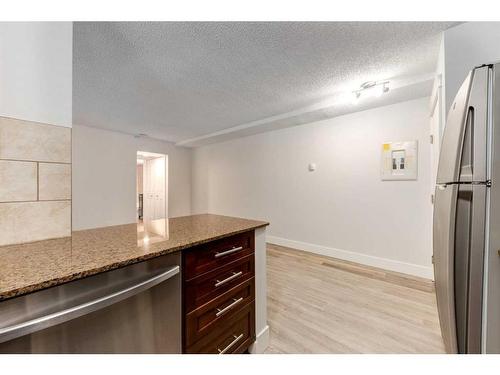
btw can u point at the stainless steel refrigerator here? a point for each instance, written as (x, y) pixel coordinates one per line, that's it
(467, 217)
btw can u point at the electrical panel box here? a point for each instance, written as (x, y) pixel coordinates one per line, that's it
(399, 161)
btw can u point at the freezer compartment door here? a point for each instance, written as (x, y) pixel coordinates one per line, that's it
(451, 145)
(463, 149)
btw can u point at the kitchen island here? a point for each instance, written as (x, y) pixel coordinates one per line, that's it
(27, 270)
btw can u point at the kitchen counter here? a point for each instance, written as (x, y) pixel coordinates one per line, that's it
(26, 268)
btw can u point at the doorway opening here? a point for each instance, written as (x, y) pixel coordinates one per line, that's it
(151, 196)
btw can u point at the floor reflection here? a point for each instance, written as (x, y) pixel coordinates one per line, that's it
(151, 231)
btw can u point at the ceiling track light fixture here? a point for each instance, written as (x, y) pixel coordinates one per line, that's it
(374, 88)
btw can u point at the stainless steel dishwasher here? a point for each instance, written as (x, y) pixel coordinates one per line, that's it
(134, 309)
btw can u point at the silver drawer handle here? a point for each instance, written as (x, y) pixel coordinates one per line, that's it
(230, 251)
(232, 277)
(229, 307)
(231, 344)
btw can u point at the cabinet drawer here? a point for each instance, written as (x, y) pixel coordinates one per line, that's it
(215, 314)
(204, 288)
(207, 257)
(236, 337)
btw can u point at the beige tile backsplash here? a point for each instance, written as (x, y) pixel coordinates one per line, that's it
(35, 181)
(54, 181)
(26, 140)
(33, 221)
(18, 181)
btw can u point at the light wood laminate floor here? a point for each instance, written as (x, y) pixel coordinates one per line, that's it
(318, 304)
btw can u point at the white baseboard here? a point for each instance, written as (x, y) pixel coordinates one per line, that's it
(261, 342)
(369, 260)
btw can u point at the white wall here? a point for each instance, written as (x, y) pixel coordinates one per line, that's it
(342, 209)
(36, 71)
(466, 46)
(104, 177)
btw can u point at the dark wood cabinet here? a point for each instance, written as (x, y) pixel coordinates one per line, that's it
(237, 334)
(214, 254)
(219, 296)
(206, 287)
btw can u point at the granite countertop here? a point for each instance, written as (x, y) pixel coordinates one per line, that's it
(38, 265)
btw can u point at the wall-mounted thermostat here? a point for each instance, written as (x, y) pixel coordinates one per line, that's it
(399, 161)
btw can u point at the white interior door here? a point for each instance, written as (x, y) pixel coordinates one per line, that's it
(159, 191)
(434, 133)
(435, 126)
(147, 197)
(154, 177)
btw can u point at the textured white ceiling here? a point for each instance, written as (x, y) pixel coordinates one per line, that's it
(183, 80)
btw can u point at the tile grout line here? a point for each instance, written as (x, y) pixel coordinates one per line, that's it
(36, 161)
(35, 201)
(37, 181)
(71, 180)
